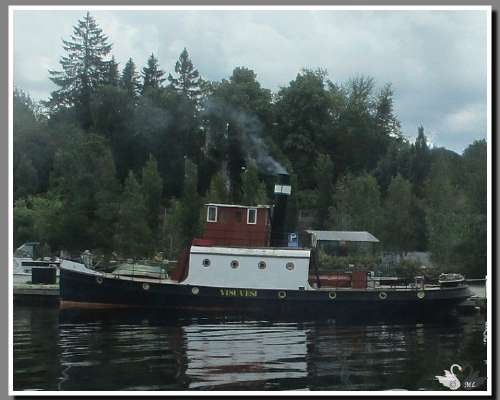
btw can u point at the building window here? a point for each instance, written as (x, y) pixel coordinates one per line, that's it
(262, 265)
(235, 264)
(211, 214)
(252, 216)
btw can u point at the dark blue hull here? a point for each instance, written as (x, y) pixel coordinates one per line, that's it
(90, 291)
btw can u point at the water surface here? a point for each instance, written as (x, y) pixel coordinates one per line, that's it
(136, 350)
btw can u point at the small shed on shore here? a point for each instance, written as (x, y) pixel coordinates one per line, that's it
(341, 243)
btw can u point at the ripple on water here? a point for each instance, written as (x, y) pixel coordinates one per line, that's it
(137, 352)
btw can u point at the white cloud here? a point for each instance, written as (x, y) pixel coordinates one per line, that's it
(435, 60)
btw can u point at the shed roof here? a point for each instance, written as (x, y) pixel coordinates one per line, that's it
(345, 236)
(237, 205)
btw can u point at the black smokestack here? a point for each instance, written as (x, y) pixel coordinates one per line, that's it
(282, 190)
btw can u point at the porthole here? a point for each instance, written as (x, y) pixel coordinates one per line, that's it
(262, 265)
(332, 295)
(290, 266)
(195, 290)
(281, 294)
(382, 295)
(205, 262)
(99, 280)
(235, 264)
(421, 295)
(145, 286)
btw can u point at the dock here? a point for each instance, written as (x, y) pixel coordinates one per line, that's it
(33, 294)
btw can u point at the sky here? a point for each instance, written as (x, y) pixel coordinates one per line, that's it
(435, 60)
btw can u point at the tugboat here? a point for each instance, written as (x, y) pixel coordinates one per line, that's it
(243, 264)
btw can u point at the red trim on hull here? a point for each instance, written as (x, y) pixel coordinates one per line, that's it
(68, 304)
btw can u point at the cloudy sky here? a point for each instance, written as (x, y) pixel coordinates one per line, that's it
(435, 60)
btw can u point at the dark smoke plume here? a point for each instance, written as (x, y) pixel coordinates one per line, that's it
(251, 128)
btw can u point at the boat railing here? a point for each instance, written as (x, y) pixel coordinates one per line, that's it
(362, 280)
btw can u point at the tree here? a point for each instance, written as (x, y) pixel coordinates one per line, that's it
(364, 125)
(152, 187)
(398, 224)
(357, 205)
(324, 186)
(129, 80)
(48, 227)
(473, 250)
(112, 76)
(133, 237)
(303, 118)
(253, 190)
(237, 115)
(188, 81)
(165, 125)
(112, 112)
(446, 216)
(84, 69)
(152, 75)
(218, 191)
(22, 217)
(33, 146)
(184, 220)
(396, 160)
(387, 124)
(421, 164)
(25, 177)
(191, 203)
(474, 162)
(84, 178)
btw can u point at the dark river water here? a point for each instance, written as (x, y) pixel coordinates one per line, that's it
(63, 350)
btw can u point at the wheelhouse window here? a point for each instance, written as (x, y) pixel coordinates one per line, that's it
(211, 214)
(252, 216)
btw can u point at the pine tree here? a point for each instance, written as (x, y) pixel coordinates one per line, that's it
(84, 68)
(112, 74)
(385, 120)
(152, 74)
(188, 82)
(130, 79)
(421, 165)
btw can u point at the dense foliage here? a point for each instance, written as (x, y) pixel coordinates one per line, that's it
(122, 161)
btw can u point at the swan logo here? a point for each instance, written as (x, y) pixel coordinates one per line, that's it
(451, 381)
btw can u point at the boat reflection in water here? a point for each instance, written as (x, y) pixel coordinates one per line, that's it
(130, 350)
(239, 356)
